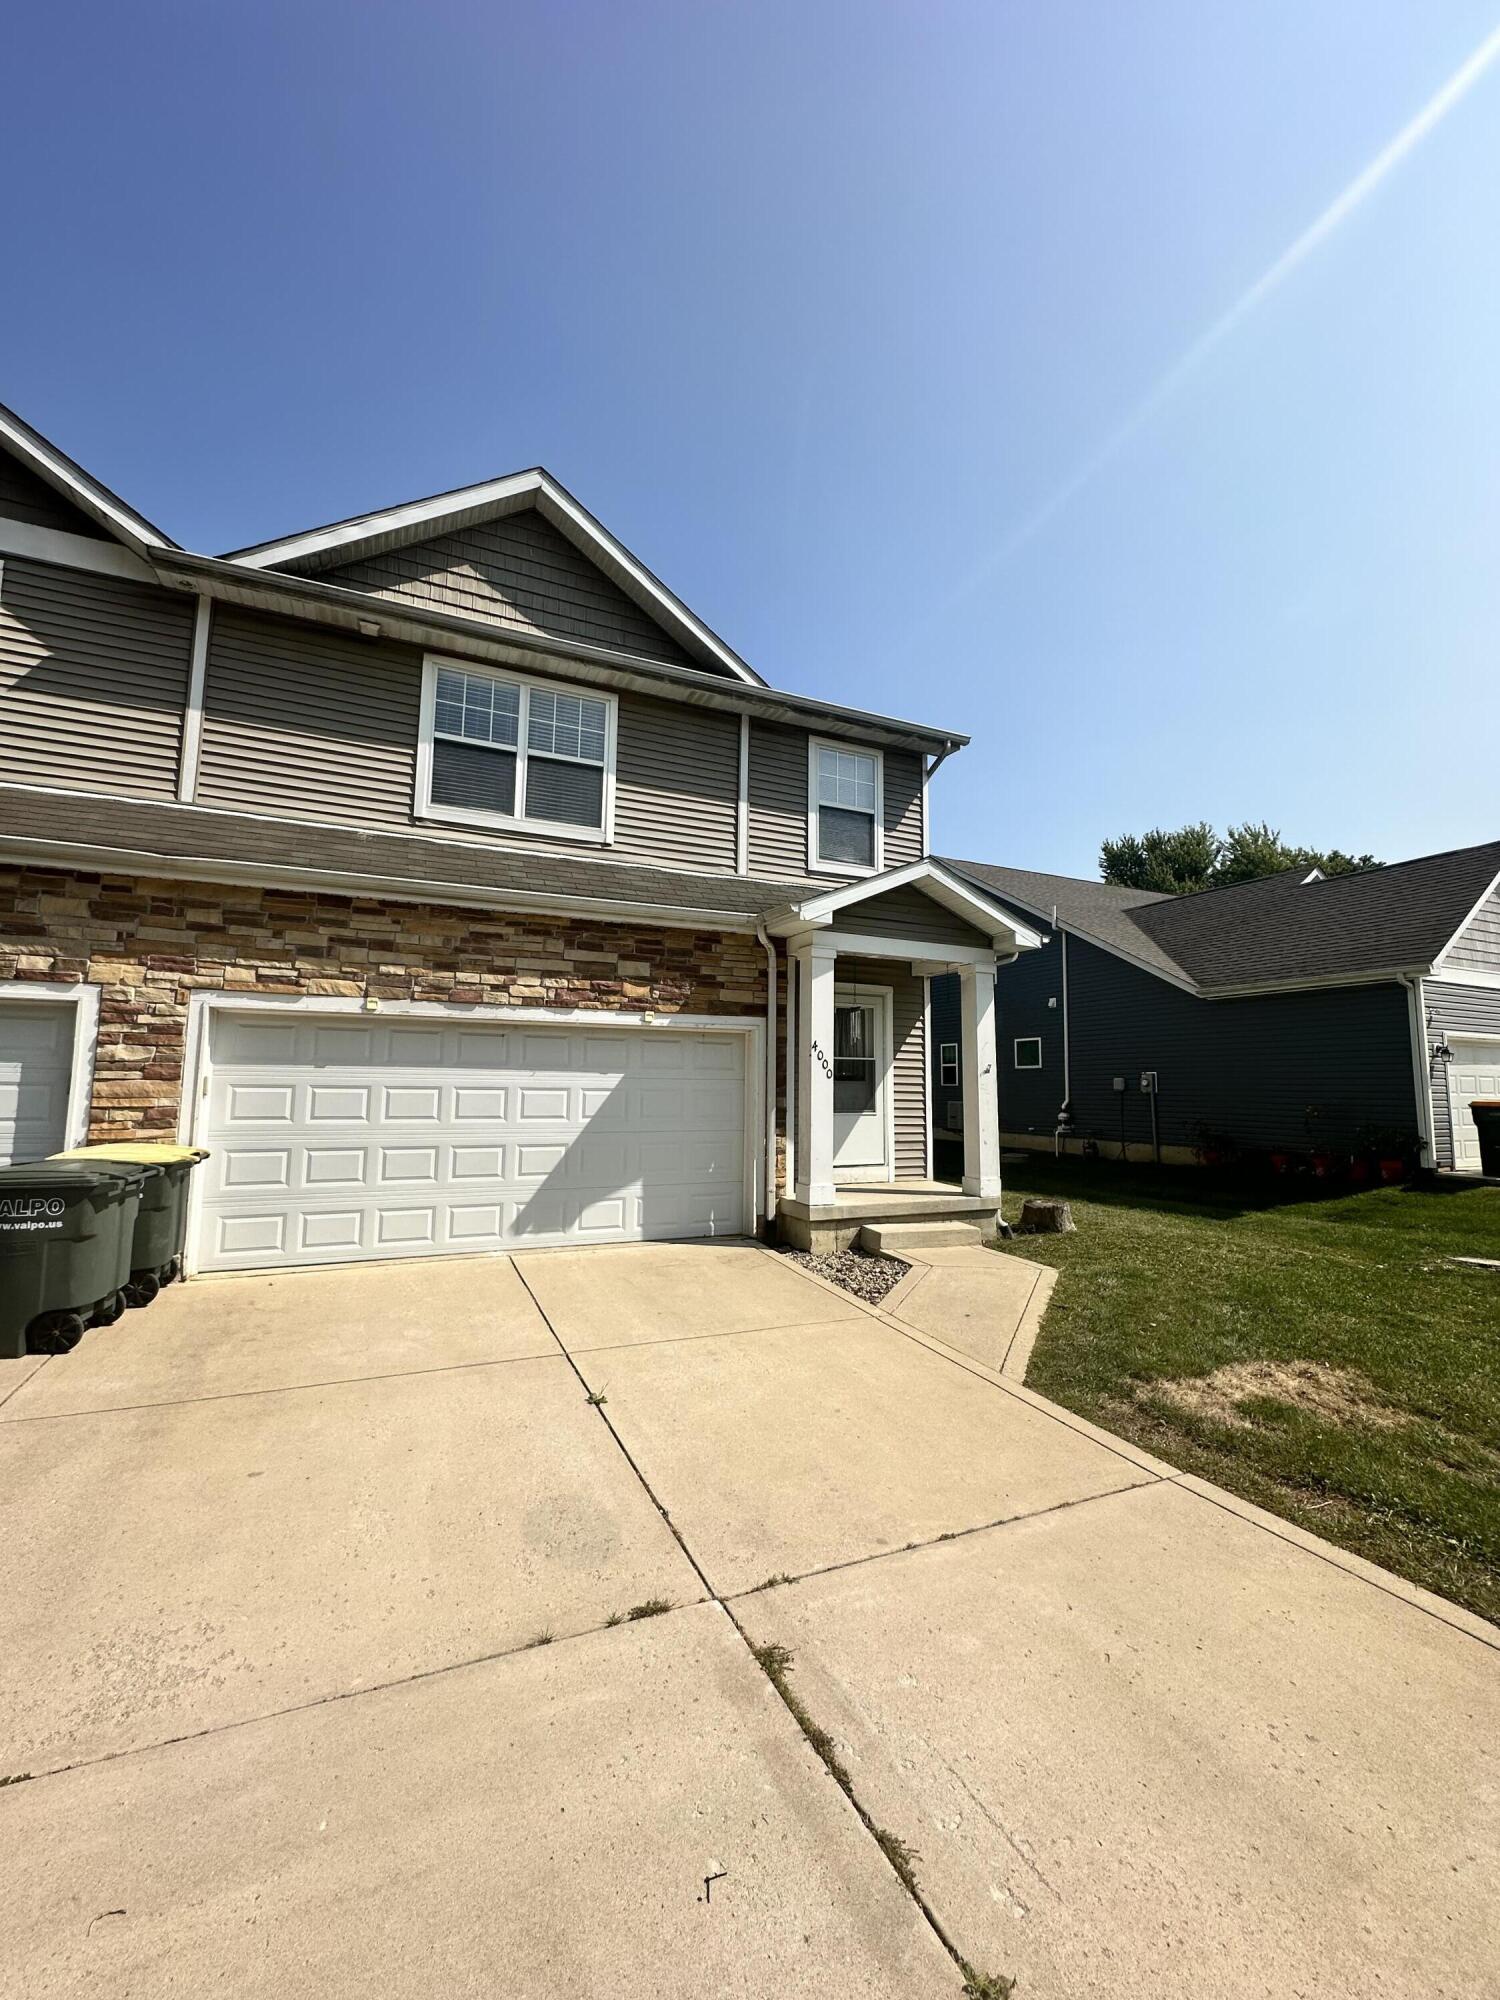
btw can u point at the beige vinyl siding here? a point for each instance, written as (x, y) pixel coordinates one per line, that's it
(25, 497)
(909, 1054)
(902, 801)
(908, 913)
(677, 777)
(1480, 944)
(301, 720)
(777, 800)
(519, 572)
(93, 677)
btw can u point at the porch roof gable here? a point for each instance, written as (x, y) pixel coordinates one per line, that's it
(1007, 932)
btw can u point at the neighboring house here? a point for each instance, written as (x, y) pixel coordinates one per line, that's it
(1291, 1013)
(456, 885)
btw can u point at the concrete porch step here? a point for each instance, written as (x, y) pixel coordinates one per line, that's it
(895, 1239)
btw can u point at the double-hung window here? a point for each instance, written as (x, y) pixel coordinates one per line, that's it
(948, 1064)
(844, 834)
(501, 751)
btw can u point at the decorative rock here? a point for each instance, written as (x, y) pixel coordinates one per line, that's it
(1046, 1218)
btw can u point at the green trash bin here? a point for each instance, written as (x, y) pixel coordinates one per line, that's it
(65, 1236)
(161, 1226)
(1485, 1111)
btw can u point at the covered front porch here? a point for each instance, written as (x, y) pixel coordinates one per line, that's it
(858, 1084)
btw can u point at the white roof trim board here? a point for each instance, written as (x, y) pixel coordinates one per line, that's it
(420, 520)
(73, 483)
(933, 880)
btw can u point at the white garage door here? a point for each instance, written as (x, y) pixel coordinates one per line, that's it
(36, 1056)
(334, 1141)
(1473, 1072)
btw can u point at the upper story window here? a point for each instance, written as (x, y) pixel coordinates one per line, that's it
(499, 750)
(844, 810)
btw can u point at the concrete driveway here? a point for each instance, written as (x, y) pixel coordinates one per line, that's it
(318, 1650)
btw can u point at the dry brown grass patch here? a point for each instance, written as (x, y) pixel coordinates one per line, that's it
(1337, 1395)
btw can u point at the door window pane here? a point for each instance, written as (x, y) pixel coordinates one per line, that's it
(853, 1059)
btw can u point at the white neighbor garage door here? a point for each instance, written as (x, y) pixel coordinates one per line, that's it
(36, 1058)
(335, 1140)
(1474, 1071)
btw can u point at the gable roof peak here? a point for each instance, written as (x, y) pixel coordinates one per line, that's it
(116, 517)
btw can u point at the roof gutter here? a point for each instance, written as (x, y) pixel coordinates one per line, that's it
(357, 611)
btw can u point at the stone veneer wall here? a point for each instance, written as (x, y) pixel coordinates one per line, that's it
(150, 944)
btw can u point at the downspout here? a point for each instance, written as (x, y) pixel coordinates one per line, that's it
(770, 1081)
(1421, 1073)
(1065, 1112)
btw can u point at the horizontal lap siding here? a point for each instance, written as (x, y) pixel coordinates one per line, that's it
(93, 677)
(24, 497)
(909, 1054)
(519, 572)
(1480, 944)
(676, 784)
(909, 914)
(1291, 1069)
(1454, 1010)
(778, 802)
(301, 720)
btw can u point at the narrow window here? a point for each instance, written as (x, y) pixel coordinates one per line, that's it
(1029, 1052)
(948, 1063)
(846, 809)
(509, 752)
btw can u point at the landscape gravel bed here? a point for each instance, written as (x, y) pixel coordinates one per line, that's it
(868, 1278)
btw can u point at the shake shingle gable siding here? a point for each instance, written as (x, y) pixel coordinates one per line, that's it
(521, 573)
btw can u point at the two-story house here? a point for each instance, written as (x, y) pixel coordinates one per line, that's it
(454, 884)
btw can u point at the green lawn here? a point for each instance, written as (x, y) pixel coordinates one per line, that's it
(1390, 1446)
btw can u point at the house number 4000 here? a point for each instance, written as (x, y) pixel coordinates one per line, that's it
(827, 1065)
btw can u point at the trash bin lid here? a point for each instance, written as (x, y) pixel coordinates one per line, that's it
(66, 1174)
(86, 1161)
(140, 1152)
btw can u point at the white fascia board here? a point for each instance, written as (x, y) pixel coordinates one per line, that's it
(935, 881)
(70, 551)
(1392, 975)
(446, 511)
(1465, 975)
(74, 484)
(91, 856)
(1440, 961)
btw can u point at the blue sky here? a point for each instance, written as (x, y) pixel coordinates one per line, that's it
(817, 305)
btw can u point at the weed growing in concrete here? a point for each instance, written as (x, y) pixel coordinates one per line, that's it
(985, 1985)
(596, 1401)
(614, 1618)
(652, 1608)
(900, 1856)
(541, 1639)
(772, 1583)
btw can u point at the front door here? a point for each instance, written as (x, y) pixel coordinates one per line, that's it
(861, 1082)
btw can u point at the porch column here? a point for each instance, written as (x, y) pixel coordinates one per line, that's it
(981, 1095)
(814, 961)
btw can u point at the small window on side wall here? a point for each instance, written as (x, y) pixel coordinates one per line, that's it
(948, 1063)
(1028, 1053)
(844, 833)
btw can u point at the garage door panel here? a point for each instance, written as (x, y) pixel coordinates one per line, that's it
(454, 1139)
(36, 1058)
(1473, 1071)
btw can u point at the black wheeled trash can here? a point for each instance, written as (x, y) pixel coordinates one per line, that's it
(1486, 1115)
(161, 1225)
(65, 1236)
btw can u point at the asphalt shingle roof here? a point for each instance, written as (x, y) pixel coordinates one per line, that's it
(165, 834)
(1271, 932)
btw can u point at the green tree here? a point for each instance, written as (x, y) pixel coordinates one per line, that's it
(1171, 863)
(1194, 857)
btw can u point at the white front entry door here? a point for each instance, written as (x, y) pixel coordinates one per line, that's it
(861, 1082)
(36, 1059)
(336, 1139)
(1473, 1072)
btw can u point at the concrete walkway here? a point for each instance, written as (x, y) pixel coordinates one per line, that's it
(320, 1650)
(986, 1305)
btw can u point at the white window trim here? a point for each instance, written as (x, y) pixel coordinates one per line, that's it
(84, 1000)
(843, 868)
(1020, 1042)
(947, 1062)
(424, 807)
